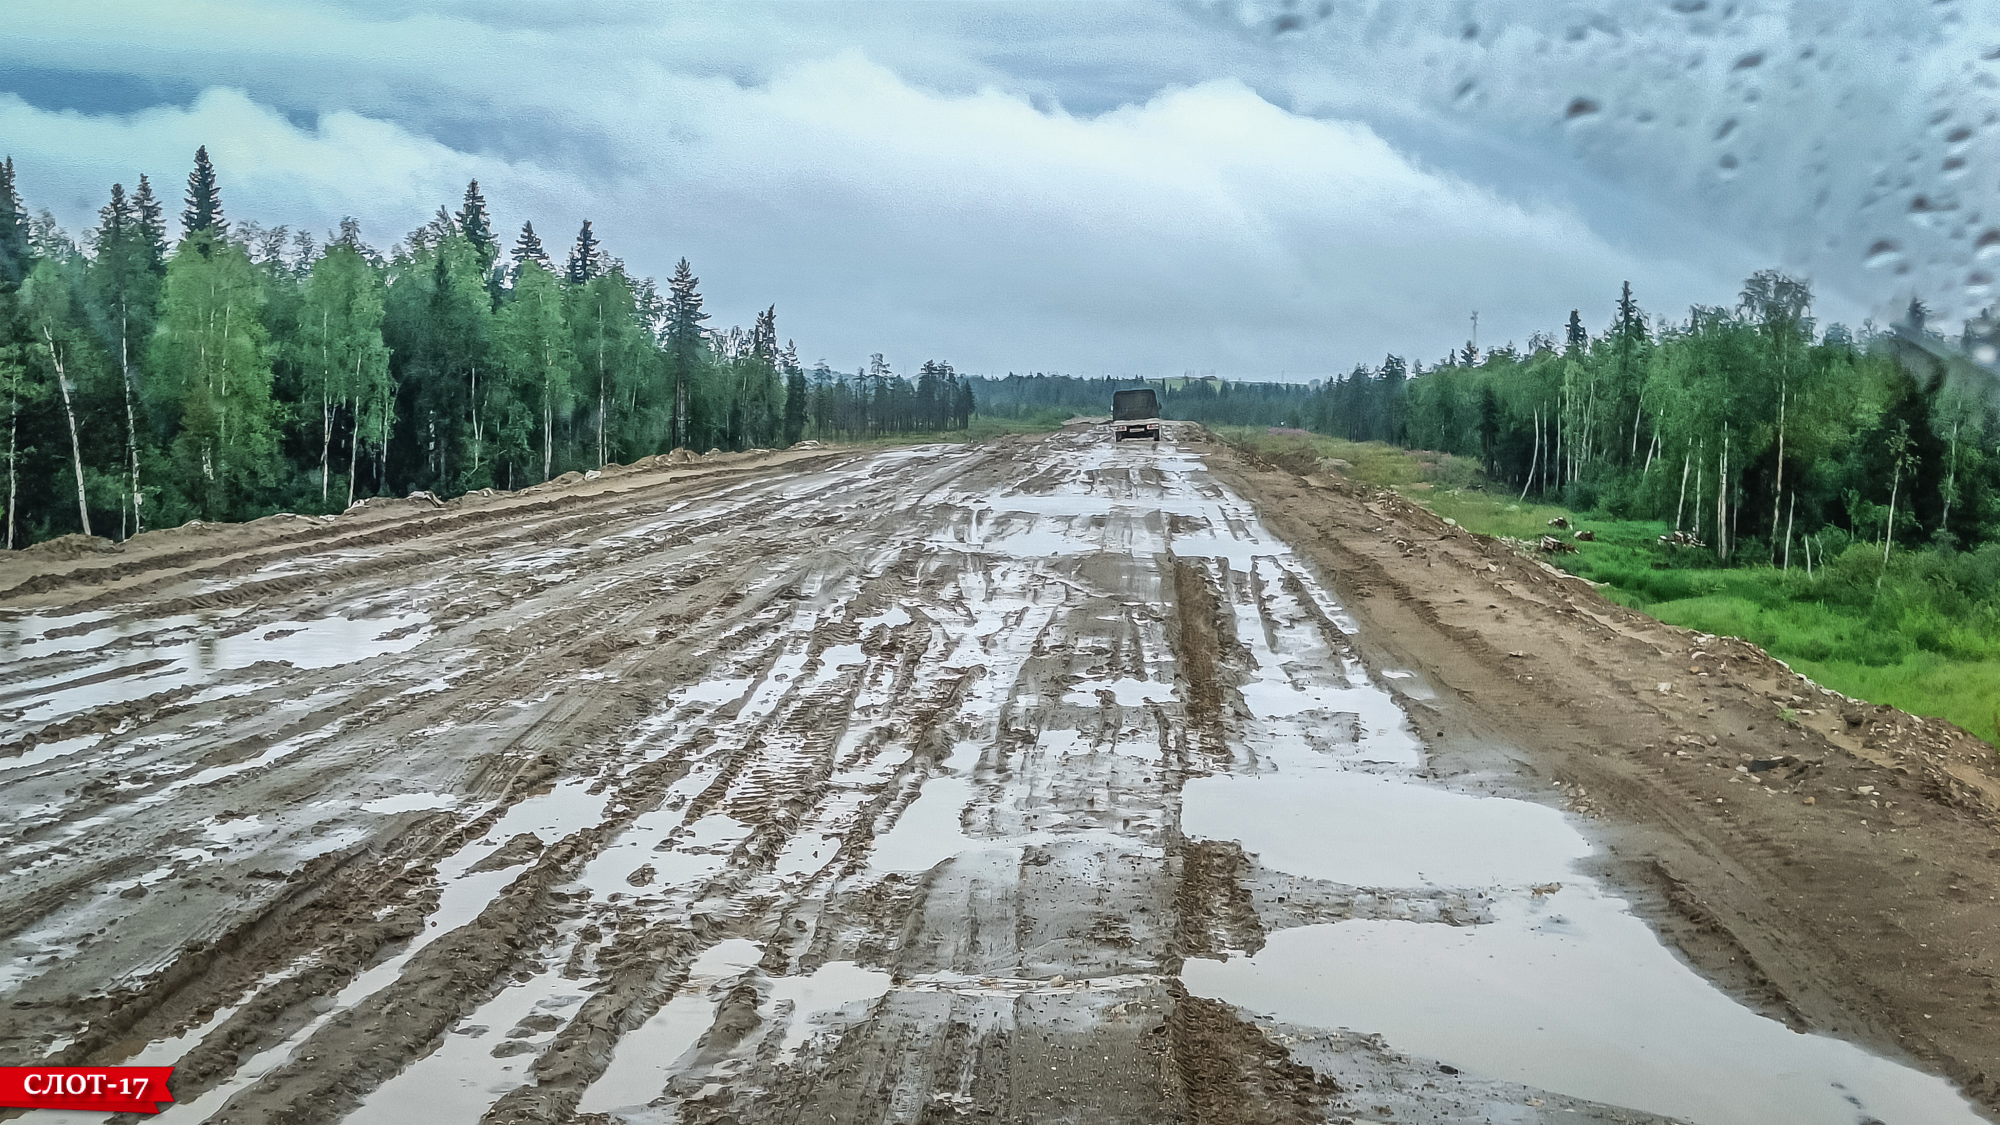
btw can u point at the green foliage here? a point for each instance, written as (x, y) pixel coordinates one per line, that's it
(215, 380)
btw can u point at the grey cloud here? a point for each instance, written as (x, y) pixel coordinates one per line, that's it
(919, 179)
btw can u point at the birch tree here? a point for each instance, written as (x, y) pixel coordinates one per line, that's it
(47, 299)
(535, 349)
(214, 375)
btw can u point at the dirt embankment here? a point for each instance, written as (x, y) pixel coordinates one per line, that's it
(1831, 862)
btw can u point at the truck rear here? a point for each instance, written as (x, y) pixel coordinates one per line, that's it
(1135, 414)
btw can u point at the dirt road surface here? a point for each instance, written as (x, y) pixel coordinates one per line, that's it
(1044, 780)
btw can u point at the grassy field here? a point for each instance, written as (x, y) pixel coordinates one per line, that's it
(1923, 636)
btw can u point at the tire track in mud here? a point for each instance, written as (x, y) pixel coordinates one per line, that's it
(845, 788)
(225, 752)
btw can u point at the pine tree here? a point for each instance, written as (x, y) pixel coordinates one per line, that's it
(796, 393)
(528, 248)
(582, 257)
(152, 220)
(477, 225)
(125, 281)
(684, 341)
(13, 229)
(204, 199)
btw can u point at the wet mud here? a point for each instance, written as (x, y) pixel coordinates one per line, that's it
(1033, 781)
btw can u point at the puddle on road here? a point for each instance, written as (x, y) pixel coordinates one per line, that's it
(646, 1057)
(48, 750)
(179, 652)
(829, 989)
(1365, 830)
(409, 802)
(552, 815)
(1565, 989)
(930, 830)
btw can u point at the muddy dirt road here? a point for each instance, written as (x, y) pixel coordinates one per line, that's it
(1035, 781)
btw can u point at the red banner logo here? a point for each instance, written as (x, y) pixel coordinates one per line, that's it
(112, 1089)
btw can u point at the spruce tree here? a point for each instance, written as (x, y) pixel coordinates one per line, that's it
(125, 283)
(1575, 336)
(152, 223)
(477, 225)
(582, 257)
(13, 229)
(528, 248)
(204, 199)
(684, 340)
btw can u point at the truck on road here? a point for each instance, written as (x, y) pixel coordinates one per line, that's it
(1135, 414)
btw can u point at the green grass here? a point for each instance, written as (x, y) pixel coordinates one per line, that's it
(1924, 637)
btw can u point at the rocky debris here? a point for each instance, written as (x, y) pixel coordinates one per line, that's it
(1584, 536)
(1560, 523)
(1550, 545)
(1680, 539)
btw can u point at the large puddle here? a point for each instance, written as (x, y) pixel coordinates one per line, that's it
(1565, 989)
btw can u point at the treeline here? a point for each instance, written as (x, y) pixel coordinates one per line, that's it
(1746, 427)
(1749, 429)
(1185, 399)
(243, 370)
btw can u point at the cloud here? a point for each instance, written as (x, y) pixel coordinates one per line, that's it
(273, 171)
(934, 191)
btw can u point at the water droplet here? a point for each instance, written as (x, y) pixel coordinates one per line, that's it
(1580, 107)
(1884, 252)
(1963, 132)
(1727, 128)
(1750, 61)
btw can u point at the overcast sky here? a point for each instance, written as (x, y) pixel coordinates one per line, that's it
(1255, 190)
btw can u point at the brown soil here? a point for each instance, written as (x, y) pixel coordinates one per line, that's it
(1872, 916)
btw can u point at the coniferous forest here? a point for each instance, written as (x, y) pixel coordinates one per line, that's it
(167, 368)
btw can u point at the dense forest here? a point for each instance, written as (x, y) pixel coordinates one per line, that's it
(1751, 431)
(243, 369)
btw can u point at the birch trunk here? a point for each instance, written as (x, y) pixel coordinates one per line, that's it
(1682, 506)
(13, 477)
(69, 412)
(353, 452)
(1789, 520)
(1778, 489)
(131, 421)
(1535, 458)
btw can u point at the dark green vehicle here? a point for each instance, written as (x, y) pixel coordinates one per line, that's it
(1135, 414)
